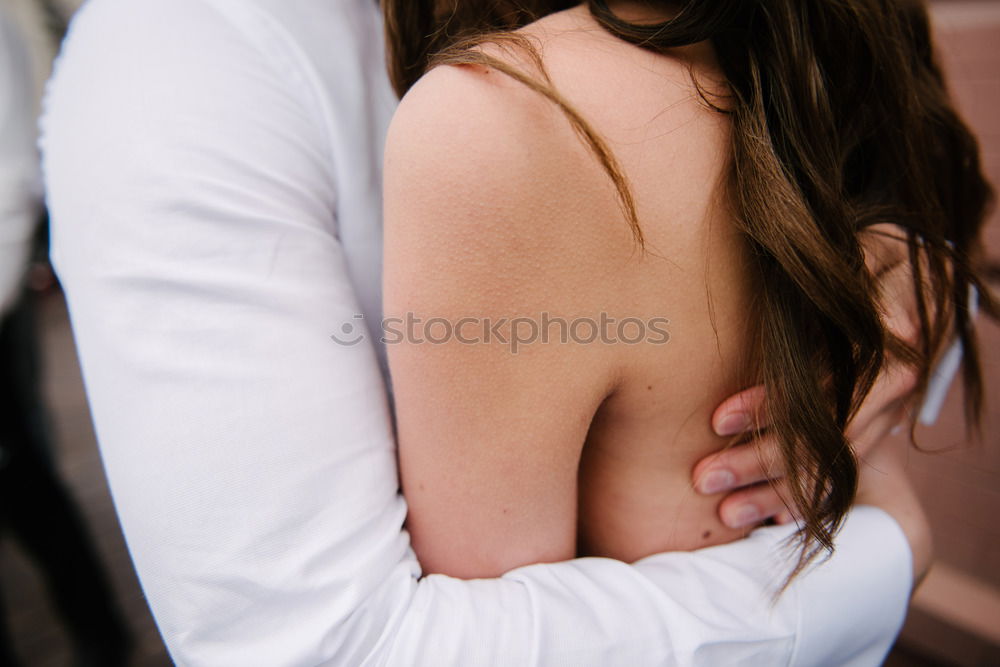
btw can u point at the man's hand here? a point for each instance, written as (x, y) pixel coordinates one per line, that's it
(752, 474)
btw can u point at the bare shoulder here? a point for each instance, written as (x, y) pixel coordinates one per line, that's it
(486, 153)
(475, 116)
(470, 120)
(472, 116)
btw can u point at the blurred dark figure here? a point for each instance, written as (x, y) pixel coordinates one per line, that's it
(35, 506)
(37, 510)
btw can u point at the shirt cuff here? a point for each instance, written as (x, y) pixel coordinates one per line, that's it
(872, 557)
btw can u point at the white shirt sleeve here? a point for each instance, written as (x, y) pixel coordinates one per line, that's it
(20, 191)
(251, 458)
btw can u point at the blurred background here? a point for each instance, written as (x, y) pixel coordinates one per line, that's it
(954, 618)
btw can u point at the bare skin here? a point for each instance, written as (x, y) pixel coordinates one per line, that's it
(752, 474)
(495, 209)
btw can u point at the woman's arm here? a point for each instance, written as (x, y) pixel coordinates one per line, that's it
(481, 229)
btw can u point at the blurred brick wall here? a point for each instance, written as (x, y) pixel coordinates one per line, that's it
(956, 616)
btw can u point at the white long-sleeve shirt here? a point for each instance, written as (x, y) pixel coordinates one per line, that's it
(20, 186)
(214, 180)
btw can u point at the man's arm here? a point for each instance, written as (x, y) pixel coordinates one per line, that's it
(251, 457)
(20, 196)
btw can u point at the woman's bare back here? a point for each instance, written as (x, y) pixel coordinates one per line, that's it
(640, 413)
(635, 492)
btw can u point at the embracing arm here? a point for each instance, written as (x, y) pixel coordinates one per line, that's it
(251, 458)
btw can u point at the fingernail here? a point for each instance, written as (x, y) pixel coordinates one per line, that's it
(745, 516)
(716, 481)
(734, 423)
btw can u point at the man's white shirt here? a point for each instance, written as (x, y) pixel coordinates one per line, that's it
(215, 186)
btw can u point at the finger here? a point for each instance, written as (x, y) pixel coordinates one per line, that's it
(884, 245)
(892, 390)
(898, 303)
(773, 499)
(741, 412)
(783, 518)
(880, 430)
(887, 257)
(886, 424)
(750, 506)
(739, 466)
(897, 381)
(761, 460)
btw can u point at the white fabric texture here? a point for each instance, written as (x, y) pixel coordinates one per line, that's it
(214, 181)
(20, 182)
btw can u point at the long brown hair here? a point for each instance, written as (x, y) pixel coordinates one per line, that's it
(841, 120)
